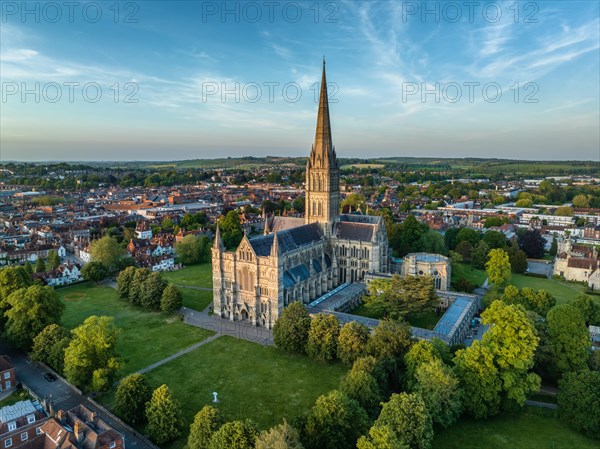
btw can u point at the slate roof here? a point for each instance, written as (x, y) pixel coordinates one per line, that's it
(283, 223)
(354, 231)
(359, 218)
(288, 239)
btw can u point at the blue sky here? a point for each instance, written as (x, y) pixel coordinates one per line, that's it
(195, 69)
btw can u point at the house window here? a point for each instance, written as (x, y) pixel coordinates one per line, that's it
(38, 430)
(12, 426)
(112, 445)
(7, 384)
(8, 442)
(24, 436)
(30, 419)
(7, 375)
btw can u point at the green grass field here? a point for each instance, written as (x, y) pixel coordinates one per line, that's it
(425, 320)
(562, 291)
(196, 299)
(253, 381)
(463, 270)
(530, 429)
(192, 276)
(146, 337)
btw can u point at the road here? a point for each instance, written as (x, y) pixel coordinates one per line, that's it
(63, 395)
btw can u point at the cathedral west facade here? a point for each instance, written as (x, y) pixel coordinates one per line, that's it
(300, 259)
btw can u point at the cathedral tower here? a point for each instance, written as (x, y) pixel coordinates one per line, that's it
(322, 170)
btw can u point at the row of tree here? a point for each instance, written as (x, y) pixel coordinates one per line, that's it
(148, 289)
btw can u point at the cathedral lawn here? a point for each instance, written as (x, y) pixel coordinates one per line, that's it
(196, 299)
(563, 292)
(145, 338)
(530, 429)
(253, 381)
(199, 275)
(464, 270)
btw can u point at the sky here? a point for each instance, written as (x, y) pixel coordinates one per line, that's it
(154, 80)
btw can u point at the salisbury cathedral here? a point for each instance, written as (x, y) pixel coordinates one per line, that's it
(300, 259)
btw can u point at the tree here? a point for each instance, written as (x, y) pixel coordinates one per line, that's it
(467, 234)
(590, 309)
(282, 436)
(40, 266)
(363, 388)
(540, 301)
(125, 282)
(193, 249)
(106, 251)
(494, 239)
(235, 435)
(581, 201)
(406, 237)
(433, 242)
(231, 229)
(92, 348)
(334, 422)
(465, 250)
(390, 339)
(419, 353)
(53, 259)
(480, 254)
(352, 342)
(30, 310)
(11, 280)
(291, 328)
(578, 399)
(206, 422)
(152, 290)
(49, 346)
(517, 258)
(568, 339)
(354, 200)
(524, 203)
(323, 337)
(374, 367)
(533, 244)
(498, 267)
(479, 380)
(171, 299)
(564, 211)
(130, 398)
(513, 341)
(94, 271)
(381, 437)
(28, 269)
(407, 415)
(165, 420)
(439, 387)
(397, 297)
(136, 290)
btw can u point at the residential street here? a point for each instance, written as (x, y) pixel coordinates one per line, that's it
(62, 394)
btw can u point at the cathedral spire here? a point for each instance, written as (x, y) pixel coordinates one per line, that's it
(275, 246)
(323, 150)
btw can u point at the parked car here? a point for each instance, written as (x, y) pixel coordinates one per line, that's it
(49, 377)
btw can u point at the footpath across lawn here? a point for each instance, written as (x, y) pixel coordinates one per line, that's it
(253, 381)
(530, 429)
(145, 338)
(192, 276)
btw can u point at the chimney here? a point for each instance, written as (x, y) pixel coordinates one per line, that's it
(78, 431)
(61, 416)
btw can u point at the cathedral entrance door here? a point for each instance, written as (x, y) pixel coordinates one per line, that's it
(244, 315)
